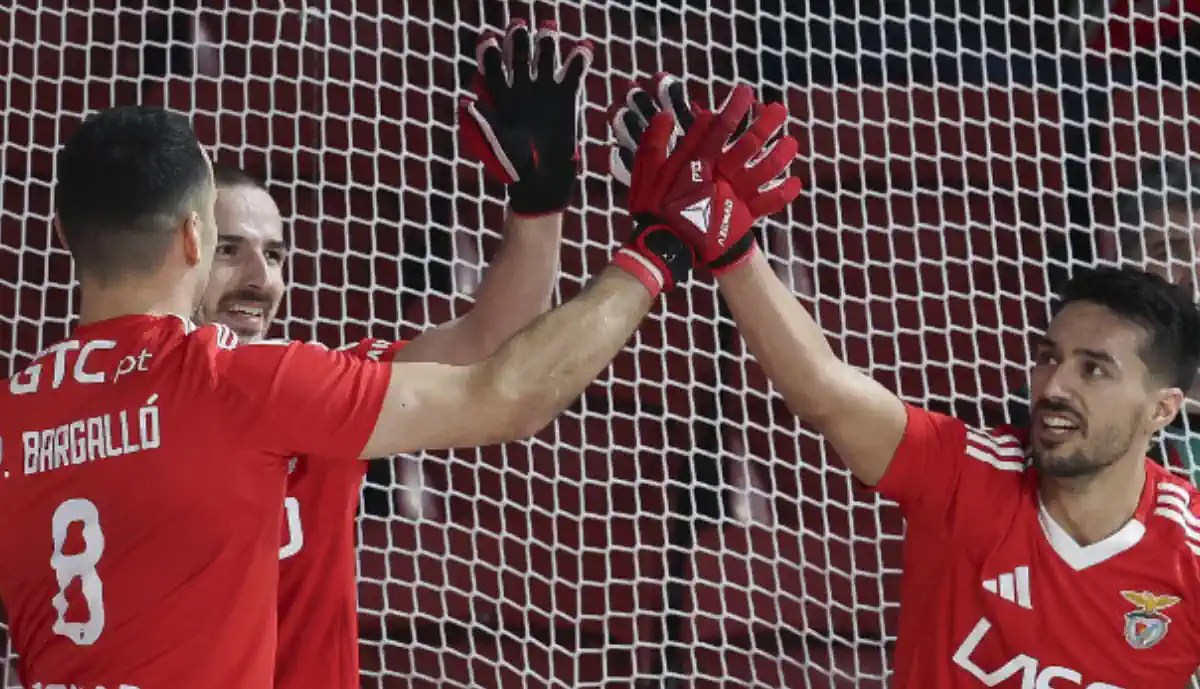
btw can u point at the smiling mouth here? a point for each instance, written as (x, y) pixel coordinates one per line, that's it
(246, 311)
(1057, 426)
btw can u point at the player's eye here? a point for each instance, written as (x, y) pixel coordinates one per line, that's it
(276, 257)
(226, 250)
(1093, 370)
(1045, 358)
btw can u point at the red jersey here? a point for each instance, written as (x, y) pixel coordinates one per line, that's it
(143, 465)
(996, 594)
(318, 593)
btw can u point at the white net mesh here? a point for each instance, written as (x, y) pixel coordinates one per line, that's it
(677, 524)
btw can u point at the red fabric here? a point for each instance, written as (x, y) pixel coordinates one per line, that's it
(318, 601)
(141, 496)
(993, 593)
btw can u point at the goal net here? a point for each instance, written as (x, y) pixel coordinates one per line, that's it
(677, 526)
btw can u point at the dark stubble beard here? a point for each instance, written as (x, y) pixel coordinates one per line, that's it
(1112, 444)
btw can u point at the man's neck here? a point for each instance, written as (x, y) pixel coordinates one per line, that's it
(1096, 507)
(103, 302)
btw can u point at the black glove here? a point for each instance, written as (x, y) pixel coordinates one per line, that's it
(628, 119)
(523, 121)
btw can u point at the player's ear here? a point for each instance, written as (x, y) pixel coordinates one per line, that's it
(189, 231)
(1166, 408)
(58, 232)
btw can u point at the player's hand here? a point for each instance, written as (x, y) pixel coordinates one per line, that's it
(675, 196)
(523, 120)
(654, 253)
(750, 130)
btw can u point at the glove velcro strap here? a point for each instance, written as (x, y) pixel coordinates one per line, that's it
(657, 257)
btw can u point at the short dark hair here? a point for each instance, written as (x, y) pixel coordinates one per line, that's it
(1165, 310)
(228, 176)
(125, 179)
(1163, 185)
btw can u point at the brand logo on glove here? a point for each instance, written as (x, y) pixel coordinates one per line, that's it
(697, 171)
(724, 232)
(698, 214)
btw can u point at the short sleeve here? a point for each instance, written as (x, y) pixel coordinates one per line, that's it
(941, 464)
(376, 350)
(295, 398)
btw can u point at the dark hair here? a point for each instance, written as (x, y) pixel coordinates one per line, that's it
(227, 176)
(125, 180)
(1166, 311)
(1163, 185)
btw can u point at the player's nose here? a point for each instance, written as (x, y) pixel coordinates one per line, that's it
(1059, 386)
(255, 271)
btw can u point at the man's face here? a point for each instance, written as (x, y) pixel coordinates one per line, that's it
(1093, 400)
(246, 282)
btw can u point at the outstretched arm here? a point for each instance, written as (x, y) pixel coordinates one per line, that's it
(534, 376)
(518, 390)
(863, 421)
(522, 121)
(515, 289)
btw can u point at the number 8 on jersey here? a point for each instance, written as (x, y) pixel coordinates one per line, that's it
(80, 566)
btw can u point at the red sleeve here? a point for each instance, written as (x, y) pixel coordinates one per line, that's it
(942, 465)
(294, 398)
(375, 350)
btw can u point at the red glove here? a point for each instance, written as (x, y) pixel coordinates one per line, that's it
(654, 254)
(742, 133)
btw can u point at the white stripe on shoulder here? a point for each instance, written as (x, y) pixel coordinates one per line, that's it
(1174, 502)
(226, 338)
(281, 342)
(1007, 446)
(1001, 452)
(1177, 490)
(1193, 540)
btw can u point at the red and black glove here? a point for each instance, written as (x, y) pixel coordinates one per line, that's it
(523, 119)
(678, 201)
(751, 161)
(654, 253)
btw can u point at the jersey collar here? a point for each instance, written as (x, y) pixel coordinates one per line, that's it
(1080, 557)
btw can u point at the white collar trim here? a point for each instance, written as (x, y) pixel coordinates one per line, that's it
(1080, 557)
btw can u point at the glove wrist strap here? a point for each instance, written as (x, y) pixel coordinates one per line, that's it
(739, 253)
(656, 257)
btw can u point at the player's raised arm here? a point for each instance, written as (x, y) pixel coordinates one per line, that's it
(537, 374)
(311, 401)
(523, 122)
(862, 419)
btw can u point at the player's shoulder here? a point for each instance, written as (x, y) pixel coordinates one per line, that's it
(218, 342)
(374, 349)
(1175, 512)
(1001, 448)
(102, 352)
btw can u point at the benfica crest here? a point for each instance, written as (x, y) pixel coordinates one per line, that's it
(1146, 626)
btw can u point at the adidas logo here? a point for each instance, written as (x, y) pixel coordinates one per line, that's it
(1012, 587)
